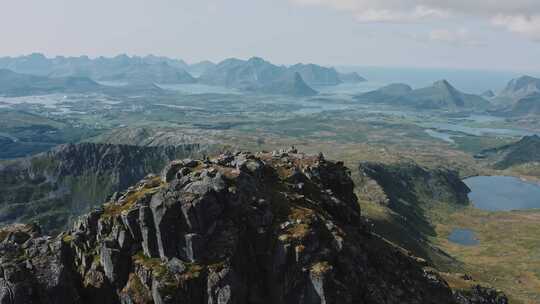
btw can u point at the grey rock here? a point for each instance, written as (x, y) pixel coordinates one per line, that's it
(194, 247)
(115, 263)
(148, 232)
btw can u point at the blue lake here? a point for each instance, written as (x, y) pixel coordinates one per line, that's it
(503, 193)
(465, 237)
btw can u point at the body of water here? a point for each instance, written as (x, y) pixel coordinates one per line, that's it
(503, 193)
(464, 237)
(478, 131)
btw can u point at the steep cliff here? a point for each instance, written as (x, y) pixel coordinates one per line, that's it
(407, 192)
(56, 186)
(279, 227)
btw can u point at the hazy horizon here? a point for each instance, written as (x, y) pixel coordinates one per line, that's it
(340, 67)
(414, 33)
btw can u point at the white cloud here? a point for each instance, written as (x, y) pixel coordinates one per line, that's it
(526, 25)
(391, 16)
(381, 10)
(519, 16)
(461, 37)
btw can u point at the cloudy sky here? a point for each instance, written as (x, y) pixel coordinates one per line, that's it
(480, 34)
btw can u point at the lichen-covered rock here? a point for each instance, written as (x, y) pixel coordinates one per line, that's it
(481, 295)
(281, 227)
(40, 270)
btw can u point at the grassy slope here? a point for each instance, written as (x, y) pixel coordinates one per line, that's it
(507, 256)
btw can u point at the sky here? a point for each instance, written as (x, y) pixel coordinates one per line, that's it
(460, 34)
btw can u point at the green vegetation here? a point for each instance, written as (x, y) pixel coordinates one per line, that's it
(136, 289)
(476, 144)
(68, 238)
(507, 255)
(114, 209)
(337, 125)
(154, 264)
(320, 268)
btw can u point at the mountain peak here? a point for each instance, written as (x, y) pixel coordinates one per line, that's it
(443, 84)
(37, 56)
(227, 229)
(520, 88)
(488, 94)
(525, 81)
(256, 59)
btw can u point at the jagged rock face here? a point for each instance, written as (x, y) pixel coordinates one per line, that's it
(53, 187)
(277, 227)
(481, 295)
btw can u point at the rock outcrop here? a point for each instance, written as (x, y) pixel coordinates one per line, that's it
(279, 227)
(481, 295)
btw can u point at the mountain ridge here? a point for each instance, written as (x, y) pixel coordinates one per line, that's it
(525, 151)
(280, 227)
(440, 95)
(12, 83)
(517, 89)
(257, 75)
(55, 186)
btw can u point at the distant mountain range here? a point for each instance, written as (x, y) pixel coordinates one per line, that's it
(259, 75)
(316, 75)
(441, 95)
(254, 75)
(351, 78)
(162, 73)
(120, 68)
(518, 89)
(521, 97)
(16, 84)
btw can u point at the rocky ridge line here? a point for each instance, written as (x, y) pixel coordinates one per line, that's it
(279, 227)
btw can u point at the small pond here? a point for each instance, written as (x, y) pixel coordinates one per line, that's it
(464, 237)
(503, 193)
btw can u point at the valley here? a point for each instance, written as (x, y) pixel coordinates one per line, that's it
(129, 124)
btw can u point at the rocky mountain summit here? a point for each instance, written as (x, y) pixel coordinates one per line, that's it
(280, 227)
